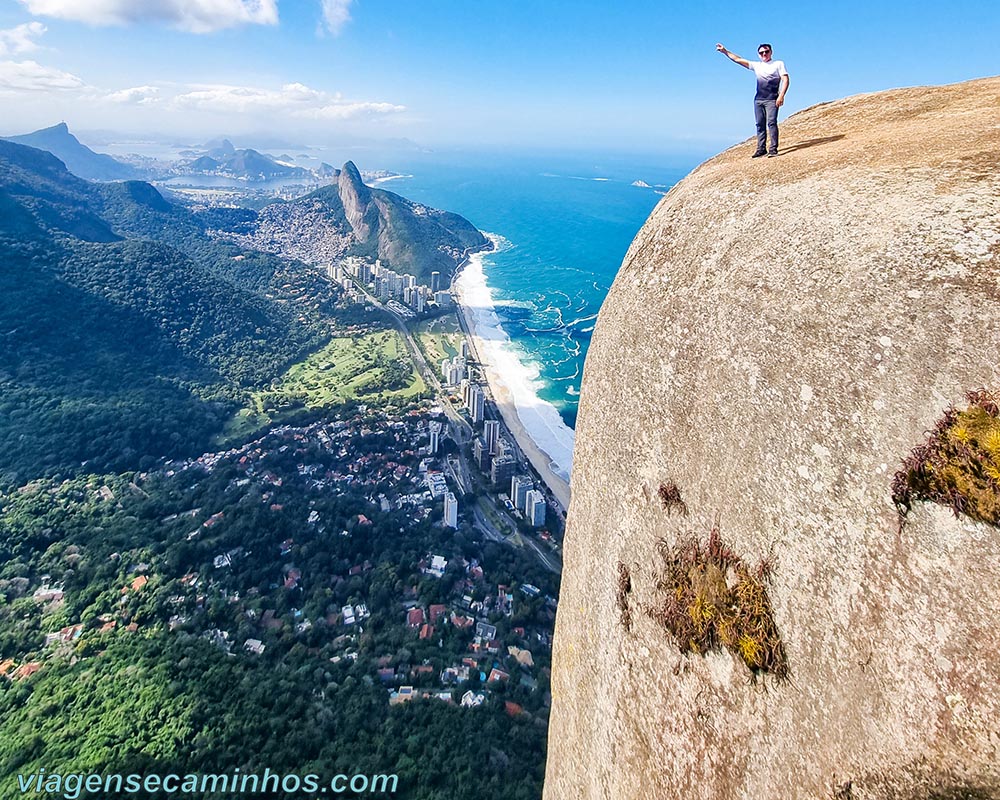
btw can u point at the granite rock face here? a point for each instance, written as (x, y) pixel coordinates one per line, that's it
(355, 197)
(780, 336)
(347, 218)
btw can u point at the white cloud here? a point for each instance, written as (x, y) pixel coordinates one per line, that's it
(20, 39)
(238, 99)
(293, 99)
(353, 110)
(137, 95)
(195, 16)
(301, 93)
(29, 76)
(336, 14)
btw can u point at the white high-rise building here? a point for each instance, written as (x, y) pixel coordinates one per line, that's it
(418, 293)
(519, 487)
(477, 403)
(451, 510)
(491, 431)
(435, 430)
(435, 281)
(463, 348)
(534, 509)
(504, 447)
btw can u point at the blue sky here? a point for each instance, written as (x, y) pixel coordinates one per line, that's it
(629, 76)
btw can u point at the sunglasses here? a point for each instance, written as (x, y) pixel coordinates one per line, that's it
(763, 52)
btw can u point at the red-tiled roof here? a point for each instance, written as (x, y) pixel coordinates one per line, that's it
(26, 671)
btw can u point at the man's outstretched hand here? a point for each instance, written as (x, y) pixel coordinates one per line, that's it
(720, 48)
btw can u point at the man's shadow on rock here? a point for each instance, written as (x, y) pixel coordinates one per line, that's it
(812, 143)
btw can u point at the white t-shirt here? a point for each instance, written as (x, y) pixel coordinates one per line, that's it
(769, 75)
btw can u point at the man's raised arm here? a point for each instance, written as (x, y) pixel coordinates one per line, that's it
(733, 57)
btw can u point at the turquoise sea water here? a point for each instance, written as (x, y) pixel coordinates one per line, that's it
(564, 225)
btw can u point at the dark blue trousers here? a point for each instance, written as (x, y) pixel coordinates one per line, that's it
(766, 113)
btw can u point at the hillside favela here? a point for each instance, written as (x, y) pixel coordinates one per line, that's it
(443, 403)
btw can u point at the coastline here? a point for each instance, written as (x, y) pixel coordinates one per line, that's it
(511, 383)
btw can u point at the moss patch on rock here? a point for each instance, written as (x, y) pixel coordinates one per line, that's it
(959, 464)
(708, 598)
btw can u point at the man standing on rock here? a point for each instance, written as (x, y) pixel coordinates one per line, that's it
(772, 83)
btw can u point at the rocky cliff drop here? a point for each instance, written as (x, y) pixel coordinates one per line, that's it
(758, 599)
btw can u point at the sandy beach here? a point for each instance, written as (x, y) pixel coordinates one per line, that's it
(468, 290)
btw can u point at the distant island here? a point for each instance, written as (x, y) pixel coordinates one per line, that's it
(225, 160)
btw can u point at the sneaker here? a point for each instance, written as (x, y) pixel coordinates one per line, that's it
(773, 154)
(758, 154)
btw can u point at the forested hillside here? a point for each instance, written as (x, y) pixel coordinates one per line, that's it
(127, 331)
(170, 604)
(190, 620)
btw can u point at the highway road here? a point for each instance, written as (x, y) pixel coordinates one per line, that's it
(461, 431)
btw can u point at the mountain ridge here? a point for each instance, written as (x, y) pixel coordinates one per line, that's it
(78, 158)
(350, 218)
(172, 330)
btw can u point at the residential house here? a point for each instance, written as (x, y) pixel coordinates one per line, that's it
(497, 675)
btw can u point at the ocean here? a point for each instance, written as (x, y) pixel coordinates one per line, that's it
(562, 226)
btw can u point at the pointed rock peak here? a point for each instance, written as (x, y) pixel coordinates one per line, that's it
(355, 197)
(62, 127)
(223, 146)
(350, 176)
